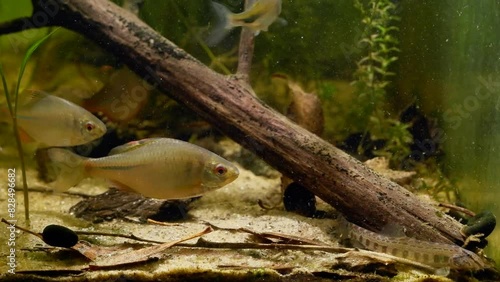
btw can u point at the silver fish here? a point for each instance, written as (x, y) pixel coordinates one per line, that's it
(51, 121)
(158, 167)
(257, 18)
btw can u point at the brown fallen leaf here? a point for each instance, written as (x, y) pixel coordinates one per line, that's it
(93, 252)
(152, 221)
(284, 238)
(141, 255)
(85, 248)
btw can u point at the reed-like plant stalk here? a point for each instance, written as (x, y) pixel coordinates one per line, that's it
(13, 113)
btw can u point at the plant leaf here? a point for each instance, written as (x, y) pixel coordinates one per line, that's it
(6, 89)
(27, 56)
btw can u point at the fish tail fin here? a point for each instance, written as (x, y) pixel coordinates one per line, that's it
(222, 26)
(68, 167)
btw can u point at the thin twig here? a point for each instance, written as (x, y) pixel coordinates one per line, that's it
(458, 209)
(22, 228)
(95, 233)
(129, 236)
(152, 221)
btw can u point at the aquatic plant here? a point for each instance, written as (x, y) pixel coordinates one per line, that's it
(372, 79)
(13, 113)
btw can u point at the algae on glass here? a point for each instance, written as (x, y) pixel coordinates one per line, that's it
(451, 66)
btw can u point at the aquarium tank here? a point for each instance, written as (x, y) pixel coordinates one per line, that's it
(249, 140)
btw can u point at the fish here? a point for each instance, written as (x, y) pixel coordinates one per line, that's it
(257, 18)
(160, 168)
(50, 121)
(440, 255)
(121, 99)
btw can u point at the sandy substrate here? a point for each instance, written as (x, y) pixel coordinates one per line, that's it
(234, 206)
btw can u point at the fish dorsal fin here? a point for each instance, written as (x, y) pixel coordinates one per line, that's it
(30, 97)
(130, 146)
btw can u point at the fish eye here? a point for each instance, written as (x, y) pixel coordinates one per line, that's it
(220, 169)
(89, 126)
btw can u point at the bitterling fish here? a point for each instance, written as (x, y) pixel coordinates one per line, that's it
(157, 167)
(257, 18)
(51, 121)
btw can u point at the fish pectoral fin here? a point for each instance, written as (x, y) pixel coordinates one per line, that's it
(131, 146)
(24, 136)
(443, 271)
(121, 186)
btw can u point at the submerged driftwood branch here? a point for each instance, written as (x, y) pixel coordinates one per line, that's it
(245, 50)
(363, 196)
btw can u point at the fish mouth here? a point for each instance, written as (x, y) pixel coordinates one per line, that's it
(234, 173)
(230, 177)
(98, 133)
(101, 132)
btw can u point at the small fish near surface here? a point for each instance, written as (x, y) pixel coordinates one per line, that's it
(257, 17)
(157, 167)
(122, 98)
(51, 121)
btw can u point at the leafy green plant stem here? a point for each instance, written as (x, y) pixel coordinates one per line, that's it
(19, 145)
(23, 170)
(372, 79)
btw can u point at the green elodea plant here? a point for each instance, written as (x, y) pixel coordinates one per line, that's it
(12, 103)
(372, 78)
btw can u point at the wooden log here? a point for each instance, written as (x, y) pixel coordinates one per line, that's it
(363, 196)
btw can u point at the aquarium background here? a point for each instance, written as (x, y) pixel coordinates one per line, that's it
(447, 59)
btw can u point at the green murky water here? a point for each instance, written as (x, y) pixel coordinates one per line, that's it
(439, 58)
